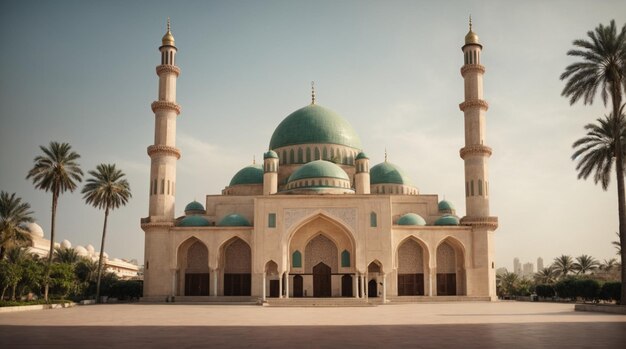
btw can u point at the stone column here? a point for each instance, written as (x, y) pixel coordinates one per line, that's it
(216, 275)
(264, 286)
(174, 272)
(355, 285)
(384, 288)
(287, 284)
(280, 286)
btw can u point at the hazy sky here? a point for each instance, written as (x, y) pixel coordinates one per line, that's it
(83, 72)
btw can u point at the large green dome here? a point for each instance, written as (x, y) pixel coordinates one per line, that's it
(447, 220)
(314, 124)
(411, 219)
(252, 174)
(319, 169)
(193, 221)
(234, 220)
(388, 173)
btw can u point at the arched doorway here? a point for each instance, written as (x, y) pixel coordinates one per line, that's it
(450, 270)
(193, 262)
(410, 269)
(298, 286)
(271, 272)
(237, 268)
(346, 286)
(321, 280)
(374, 271)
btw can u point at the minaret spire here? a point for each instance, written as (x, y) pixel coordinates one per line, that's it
(312, 92)
(169, 26)
(470, 22)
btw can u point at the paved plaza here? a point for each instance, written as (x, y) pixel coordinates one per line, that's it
(427, 325)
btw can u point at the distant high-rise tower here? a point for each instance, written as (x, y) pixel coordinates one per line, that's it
(528, 269)
(539, 263)
(517, 266)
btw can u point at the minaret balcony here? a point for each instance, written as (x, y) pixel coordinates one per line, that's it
(472, 68)
(489, 223)
(165, 105)
(474, 103)
(475, 149)
(163, 149)
(167, 68)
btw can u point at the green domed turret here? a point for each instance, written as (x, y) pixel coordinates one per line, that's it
(360, 156)
(388, 173)
(252, 174)
(445, 205)
(447, 220)
(234, 220)
(270, 155)
(194, 207)
(319, 169)
(193, 221)
(411, 219)
(314, 124)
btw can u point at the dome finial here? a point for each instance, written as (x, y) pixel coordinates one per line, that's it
(253, 159)
(312, 92)
(385, 154)
(471, 37)
(169, 27)
(168, 38)
(470, 22)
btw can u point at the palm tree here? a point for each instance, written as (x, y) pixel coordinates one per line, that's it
(13, 215)
(508, 283)
(617, 244)
(545, 276)
(596, 151)
(108, 190)
(66, 255)
(56, 171)
(603, 67)
(585, 263)
(563, 265)
(17, 256)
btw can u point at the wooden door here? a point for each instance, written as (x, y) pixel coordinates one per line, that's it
(372, 288)
(237, 284)
(197, 284)
(321, 281)
(446, 284)
(346, 286)
(274, 286)
(410, 284)
(297, 286)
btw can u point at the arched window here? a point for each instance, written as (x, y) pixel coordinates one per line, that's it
(373, 220)
(480, 187)
(300, 157)
(292, 156)
(284, 158)
(308, 154)
(296, 259)
(345, 259)
(324, 154)
(472, 188)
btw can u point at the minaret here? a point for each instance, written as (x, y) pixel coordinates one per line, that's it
(270, 172)
(164, 154)
(362, 175)
(475, 153)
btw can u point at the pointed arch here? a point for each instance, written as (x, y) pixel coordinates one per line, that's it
(412, 262)
(236, 266)
(375, 266)
(451, 265)
(192, 257)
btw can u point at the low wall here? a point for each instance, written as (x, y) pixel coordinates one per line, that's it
(36, 307)
(601, 308)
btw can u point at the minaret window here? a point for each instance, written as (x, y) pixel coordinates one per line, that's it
(480, 187)
(168, 187)
(162, 186)
(466, 189)
(472, 187)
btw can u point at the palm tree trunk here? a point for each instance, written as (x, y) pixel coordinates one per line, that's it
(104, 232)
(55, 197)
(621, 200)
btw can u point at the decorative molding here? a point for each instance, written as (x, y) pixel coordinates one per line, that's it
(163, 149)
(160, 105)
(490, 223)
(470, 68)
(345, 215)
(167, 68)
(149, 225)
(475, 149)
(473, 103)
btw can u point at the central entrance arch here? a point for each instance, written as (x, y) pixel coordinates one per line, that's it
(321, 280)
(193, 265)
(322, 258)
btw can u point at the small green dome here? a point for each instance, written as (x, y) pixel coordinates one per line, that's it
(388, 173)
(194, 206)
(447, 220)
(445, 205)
(314, 124)
(193, 221)
(319, 169)
(270, 155)
(411, 219)
(252, 174)
(234, 220)
(360, 156)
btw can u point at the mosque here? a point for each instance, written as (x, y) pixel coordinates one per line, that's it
(316, 219)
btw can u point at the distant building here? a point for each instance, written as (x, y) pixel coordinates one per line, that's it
(539, 263)
(517, 266)
(41, 246)
(528, 270)
(501, 271)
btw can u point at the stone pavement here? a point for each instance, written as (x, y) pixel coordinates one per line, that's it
(429, 325)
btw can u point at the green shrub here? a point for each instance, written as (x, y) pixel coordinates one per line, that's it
(565, 288)
(126, 289)
(588, 289)
(611, 291)
(546, 291)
